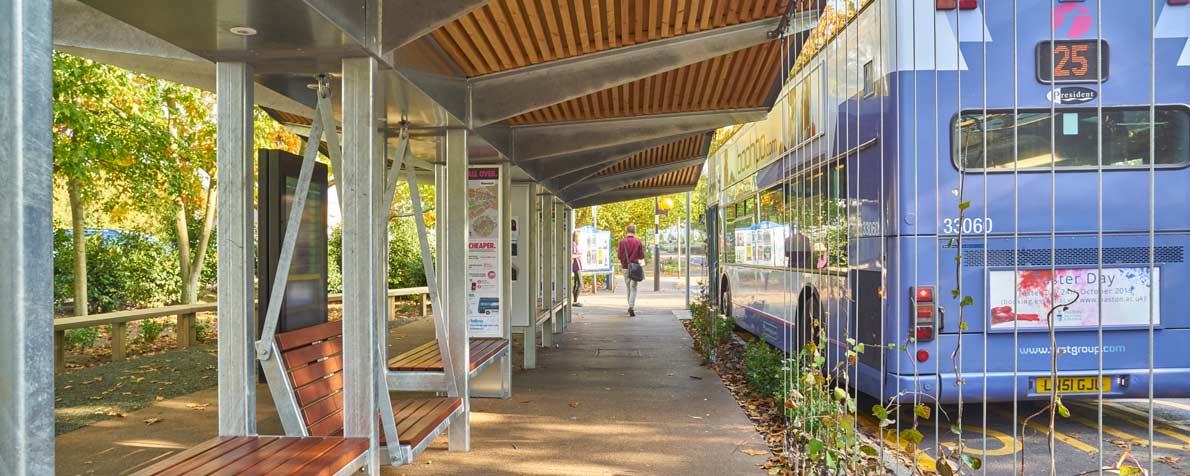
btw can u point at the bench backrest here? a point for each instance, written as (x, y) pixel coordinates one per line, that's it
(313, 358)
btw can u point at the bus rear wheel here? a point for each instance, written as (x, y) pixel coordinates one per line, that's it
(809, 318)
(725, 302)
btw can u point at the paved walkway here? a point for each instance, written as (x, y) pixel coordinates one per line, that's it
(618, 396)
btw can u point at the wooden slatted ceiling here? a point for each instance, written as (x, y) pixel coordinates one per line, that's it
(509, 34)
(683, 149)
(686, 176)
(735, 80)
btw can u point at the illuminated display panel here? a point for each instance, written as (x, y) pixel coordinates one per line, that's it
(1072, 61)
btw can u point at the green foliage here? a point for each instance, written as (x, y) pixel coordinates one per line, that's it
(405, 269)
(150, 330)
(82, 338)
(710, 329)
(202, 329)
(763, 363)
(123, 271)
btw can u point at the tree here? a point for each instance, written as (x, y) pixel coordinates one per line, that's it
(96, 129)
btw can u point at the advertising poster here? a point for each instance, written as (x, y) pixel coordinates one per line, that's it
(594, 247)
(483, 252)
(1122, 294)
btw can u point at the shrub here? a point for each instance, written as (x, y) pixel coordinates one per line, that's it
(124, 270)
(711, 329)
(763, 363)
(150, 330)
(404, 257)
(82, 338)
(201, 329)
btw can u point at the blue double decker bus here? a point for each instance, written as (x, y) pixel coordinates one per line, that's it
(958, 177)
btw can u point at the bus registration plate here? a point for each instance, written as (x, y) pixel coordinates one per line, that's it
(1090, 384)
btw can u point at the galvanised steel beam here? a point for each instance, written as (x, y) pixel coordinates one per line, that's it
(237, 255)
(597, 185)
(553, 140)
(26, 250)
(565, 169)
(561, 181)
(363, 184)
(454, 219)
(502, 95)
(406, 20)
(627, 194)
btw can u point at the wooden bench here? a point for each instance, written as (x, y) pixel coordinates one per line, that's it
(427, 358)
(313, 363)
(311, 455)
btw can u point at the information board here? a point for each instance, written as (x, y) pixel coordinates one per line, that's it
(304, 303)
(594, 248)
(483, 253)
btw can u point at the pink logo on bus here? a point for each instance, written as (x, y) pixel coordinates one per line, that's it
(1080, 19)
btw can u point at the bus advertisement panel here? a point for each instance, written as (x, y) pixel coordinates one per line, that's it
(1079, 297)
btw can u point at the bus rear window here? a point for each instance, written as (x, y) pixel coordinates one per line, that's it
(1076, 132)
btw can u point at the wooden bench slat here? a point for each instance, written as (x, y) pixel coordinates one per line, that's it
(329, 463)
(250, 461)
(415, 360)
(309, 353)
(319, 389)
(281, 458)
(293, 462)
(313, 372)
(417, 418)
(323, 408)
(184, 466)
(332, 425)
(160, 466)
(229, 458)
(308, 335)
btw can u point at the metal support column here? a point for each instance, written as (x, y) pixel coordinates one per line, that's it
(687, 250)
(237, 252)
(362, 182)
(454, 217)
(26, 250)
(562, 263)
(656, 243)
(549, 269)
(523, 306)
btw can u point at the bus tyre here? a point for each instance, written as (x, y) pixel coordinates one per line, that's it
(725, 302)
(808, 319)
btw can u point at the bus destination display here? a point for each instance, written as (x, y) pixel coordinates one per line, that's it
(1072, 61)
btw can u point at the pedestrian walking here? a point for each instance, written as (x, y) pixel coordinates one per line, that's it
(631, 252)
(576, 267)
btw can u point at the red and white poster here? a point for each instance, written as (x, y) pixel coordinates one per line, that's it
(483, 253)
(1119, 296)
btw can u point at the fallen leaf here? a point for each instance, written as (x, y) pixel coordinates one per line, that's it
(696, 417)
(755, 452)
(695, 377)
(151, 421)
(159, 398)
(573, 404)
(198, 406)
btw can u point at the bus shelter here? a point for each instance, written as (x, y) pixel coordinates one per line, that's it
(557, 106)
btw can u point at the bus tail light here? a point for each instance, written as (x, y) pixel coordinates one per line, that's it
(923, 355)
(965, 4)
(925, 310)
(1179, 2)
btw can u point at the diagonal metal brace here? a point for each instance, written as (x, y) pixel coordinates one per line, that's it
(289, 242)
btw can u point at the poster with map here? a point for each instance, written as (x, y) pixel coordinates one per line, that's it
(594, 247)
(483, 253)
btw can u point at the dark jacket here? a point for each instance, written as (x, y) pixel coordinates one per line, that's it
(629, 250)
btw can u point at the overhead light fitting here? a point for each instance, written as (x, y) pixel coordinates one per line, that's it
(242, 30)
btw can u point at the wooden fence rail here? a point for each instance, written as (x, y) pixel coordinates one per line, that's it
(186, 314)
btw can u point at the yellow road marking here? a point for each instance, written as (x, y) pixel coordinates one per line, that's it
(889, 436)
(1140, 414)
(1164, 428)
(1168, 403)
(1126, 436)
(1008, 445)
(1044, 429)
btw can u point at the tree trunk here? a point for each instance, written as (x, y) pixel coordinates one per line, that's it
(204, 240)
(182, 230)
(77, 225)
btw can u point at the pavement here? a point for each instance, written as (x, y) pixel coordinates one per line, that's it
(616, 396)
